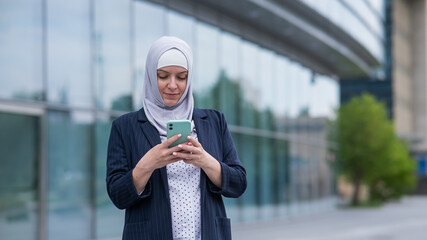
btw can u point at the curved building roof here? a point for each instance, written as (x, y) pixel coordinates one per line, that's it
(290, 28)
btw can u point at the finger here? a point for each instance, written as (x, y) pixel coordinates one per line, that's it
(172, 139)
(173, 158)
(187, 148)
(194, 142)
(182, 155)
(169, 151)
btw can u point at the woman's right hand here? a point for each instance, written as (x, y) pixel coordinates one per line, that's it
(160, 155)
(157, 157)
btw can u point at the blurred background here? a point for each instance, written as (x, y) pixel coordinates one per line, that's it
(279, 70)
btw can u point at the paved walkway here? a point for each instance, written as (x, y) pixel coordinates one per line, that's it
(403, 220)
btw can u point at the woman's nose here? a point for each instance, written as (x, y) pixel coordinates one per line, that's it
(172, 83)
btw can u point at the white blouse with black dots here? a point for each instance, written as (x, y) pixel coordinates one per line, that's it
(184, 193)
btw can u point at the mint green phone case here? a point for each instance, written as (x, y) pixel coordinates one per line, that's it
(178, 126)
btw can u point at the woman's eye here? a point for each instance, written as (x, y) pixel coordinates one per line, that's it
(162, 76)
(182, 77)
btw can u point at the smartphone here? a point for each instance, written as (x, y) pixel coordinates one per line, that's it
(178, 126)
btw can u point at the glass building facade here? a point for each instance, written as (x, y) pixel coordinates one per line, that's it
(69, 68)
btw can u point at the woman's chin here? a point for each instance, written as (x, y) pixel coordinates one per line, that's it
(171, 102)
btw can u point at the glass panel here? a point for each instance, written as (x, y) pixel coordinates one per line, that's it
(181, 26)
(249, 84)
(69, 52)
(282, 176)
(21, 49)
(266, 121)
(69, 156)
(249, 113)
(368, 14)
(230, 55)
(281, 75)
(206, 67)
(324, 97)
(281, 109)
(290, 125)
(112, 49)
(149, 26)
(266, 83)
(346, 18)
(19, 150)
(294, 181)
(300, 131)
(231, 92)
(109, 219)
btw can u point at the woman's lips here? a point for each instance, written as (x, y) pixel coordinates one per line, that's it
(173, 95)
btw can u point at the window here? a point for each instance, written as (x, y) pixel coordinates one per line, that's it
(21, 50)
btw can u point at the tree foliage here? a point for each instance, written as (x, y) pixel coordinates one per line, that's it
(370, 152)
(396, 177)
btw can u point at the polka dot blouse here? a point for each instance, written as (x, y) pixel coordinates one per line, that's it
(184, 192)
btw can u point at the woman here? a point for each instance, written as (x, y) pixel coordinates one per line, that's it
(172, 193)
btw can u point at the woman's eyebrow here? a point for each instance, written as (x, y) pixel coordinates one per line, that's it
(161, 70)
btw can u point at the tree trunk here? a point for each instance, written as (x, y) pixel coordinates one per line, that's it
(355, 200)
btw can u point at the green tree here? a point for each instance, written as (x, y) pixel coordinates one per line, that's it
(396, 177)
(369, 151)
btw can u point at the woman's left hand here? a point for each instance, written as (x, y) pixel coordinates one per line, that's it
(193, 153)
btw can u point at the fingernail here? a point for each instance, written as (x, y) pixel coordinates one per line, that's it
(179, 135)
(180, 146)
(188, 137)
(174, 153)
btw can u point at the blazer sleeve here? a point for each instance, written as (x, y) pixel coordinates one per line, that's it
(233, 174)
(120, 185)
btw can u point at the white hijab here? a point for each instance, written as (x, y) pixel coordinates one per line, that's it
(157, 112)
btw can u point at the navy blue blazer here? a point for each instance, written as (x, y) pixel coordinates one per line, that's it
(148, 216)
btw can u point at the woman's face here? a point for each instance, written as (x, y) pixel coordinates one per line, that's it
(172, 81)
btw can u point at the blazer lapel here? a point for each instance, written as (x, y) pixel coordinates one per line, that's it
(148, 130)
(202, 127)
(153, 137)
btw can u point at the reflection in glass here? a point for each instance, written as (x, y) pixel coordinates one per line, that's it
(348, 14)
(21, 50)
(250, 77)
(280, 91)
(68, 53)
(230, 48)
(292, 89)
(267, 79)
(181, 26)
(229, 97)
(230, 90)
(281, 167)
(249, 113)
(206, 67)
(69, 157)
(325, 97)
(112, 49)
(266, 121)
(19, 204)
(109, 219)
(149, 25)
